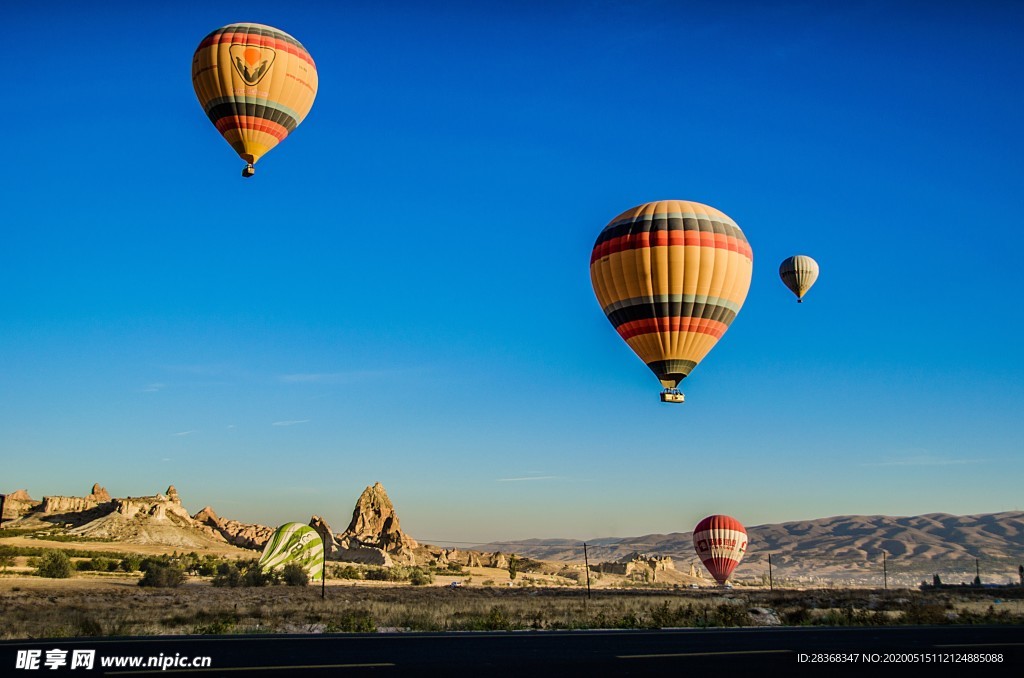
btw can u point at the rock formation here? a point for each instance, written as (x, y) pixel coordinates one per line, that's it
(97, 497)
(374, 535)
(99, 494)
(16, 504)
(233, 532)
(331, 548)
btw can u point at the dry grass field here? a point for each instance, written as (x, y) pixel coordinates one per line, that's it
(93, 604)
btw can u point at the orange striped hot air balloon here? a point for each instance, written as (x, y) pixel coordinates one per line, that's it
(671, 276)
(256, 84)
(720, 543)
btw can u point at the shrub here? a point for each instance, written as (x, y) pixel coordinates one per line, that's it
(55, 565)
(163, 576)
(246, 573)
(346, 572)
(420, 577)
(131, 562)
(294, 574)
(228, 574)
(99, 564)
(352, 621)
(254, 576)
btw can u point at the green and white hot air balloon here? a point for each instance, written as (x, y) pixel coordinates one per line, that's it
(294, 543)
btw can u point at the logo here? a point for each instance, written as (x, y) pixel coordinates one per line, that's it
(251, 62)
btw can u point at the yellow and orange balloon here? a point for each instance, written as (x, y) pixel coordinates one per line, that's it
(671, 276)
(256, 84)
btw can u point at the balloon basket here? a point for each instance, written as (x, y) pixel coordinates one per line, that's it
(672, 395)
(248, 171)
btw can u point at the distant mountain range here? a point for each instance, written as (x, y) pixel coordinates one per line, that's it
(844, 547)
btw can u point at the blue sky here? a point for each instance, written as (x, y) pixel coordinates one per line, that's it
(402, 291)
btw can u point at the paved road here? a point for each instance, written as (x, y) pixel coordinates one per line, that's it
(965, 650)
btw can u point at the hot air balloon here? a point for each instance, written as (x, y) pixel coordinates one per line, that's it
(256, 84)
(799, 273)
(671, 276)
(294, 543)
(720, 542)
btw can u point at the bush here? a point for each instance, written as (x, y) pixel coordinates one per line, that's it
(162, 576)
(345, 572)
(294, 574)
(227, 575)
(96, 565)
(254, 576)
(246, 573)
(55, 565)
(131, 562)
(420, 577)
(352, 621)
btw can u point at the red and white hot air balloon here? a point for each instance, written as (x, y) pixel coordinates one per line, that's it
(720, 542)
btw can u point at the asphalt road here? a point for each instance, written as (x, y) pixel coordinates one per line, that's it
(958, 650)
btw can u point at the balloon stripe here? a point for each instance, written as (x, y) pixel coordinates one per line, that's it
(271, 109)
(706, 310)
(666, 367)
(671, 222)
(250, 123)
(727, 304)
(259, 38)
(633, 328)
(670, 239)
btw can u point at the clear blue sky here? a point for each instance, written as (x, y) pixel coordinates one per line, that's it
(402, 292)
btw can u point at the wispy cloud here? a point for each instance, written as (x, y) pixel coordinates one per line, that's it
(923, 460)
(185, 433)
(153, 388)
(291, 422)
(516, 480)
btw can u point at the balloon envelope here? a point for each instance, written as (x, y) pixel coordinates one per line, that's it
(294, 543)
(799, 273)
(256, 84)
(671, 276)
(720, 542)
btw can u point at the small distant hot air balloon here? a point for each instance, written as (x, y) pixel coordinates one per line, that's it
(671, 276)
(720, 542)
(256, 84)
(799, 273)
(294, 543)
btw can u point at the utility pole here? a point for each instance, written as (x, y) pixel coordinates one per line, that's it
(771, 585)
(586, 564)
(885, 574)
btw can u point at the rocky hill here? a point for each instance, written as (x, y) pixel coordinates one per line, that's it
(374, 535)
(837, 547)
